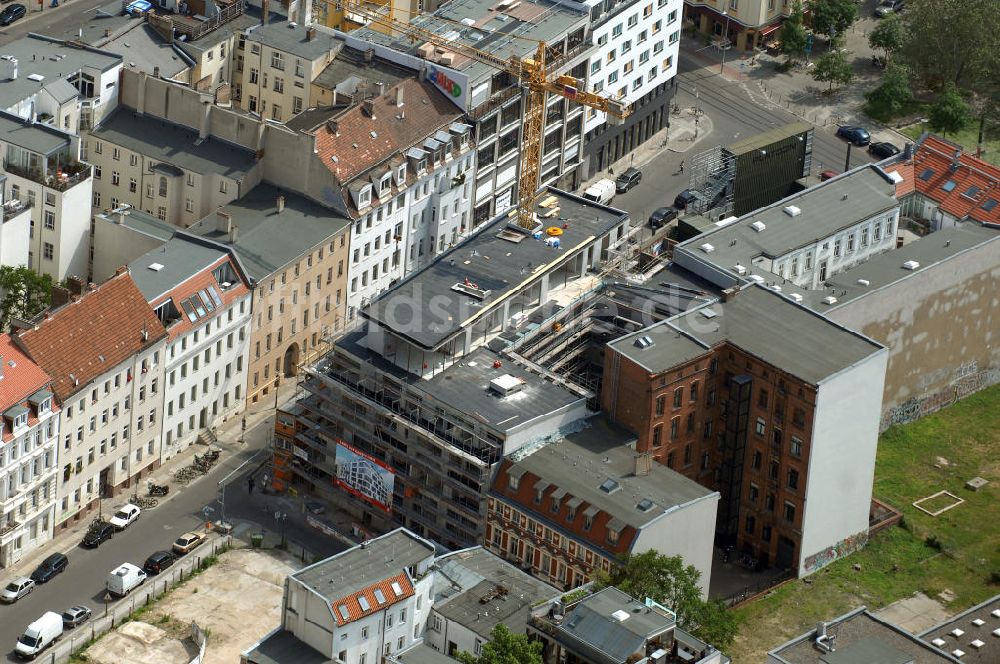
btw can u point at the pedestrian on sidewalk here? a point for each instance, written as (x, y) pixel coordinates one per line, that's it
(250, 485)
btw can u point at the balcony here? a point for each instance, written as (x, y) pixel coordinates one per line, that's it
(66, 175)
(14, 207)
(9, 527)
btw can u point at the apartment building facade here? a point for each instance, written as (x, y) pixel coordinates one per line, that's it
(28, 455)
(743, 24)
(199, 293)
(295, 254)
(781, 431)
(16, 229)
(105, 351)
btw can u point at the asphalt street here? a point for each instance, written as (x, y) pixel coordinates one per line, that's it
(62, 22)
(735, 116)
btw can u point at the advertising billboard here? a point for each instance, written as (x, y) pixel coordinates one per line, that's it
(363, 476)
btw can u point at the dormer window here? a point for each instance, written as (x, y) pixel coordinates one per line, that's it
(365, 197)
(422, 165)
(45, 406)
(513, 482)
(384, 184)
(401, 175)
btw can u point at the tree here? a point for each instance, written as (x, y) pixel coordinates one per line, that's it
(665, 579)
(505, 647)
(952, 41)
(888, 36)
(833, 17)
(793, 35)
(949, 114)
(833, 68)
(24, 293)
(892, 95)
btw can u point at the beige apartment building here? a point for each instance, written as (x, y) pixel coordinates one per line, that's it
(748, 24)
(296, 255)
(274, 66)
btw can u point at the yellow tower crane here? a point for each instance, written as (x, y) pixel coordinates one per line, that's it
(531, 73)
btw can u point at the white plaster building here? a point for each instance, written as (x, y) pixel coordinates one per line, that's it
(29, 436)
(104, 350)
(199, 293)
(15, 229)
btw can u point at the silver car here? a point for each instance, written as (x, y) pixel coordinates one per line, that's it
(17, 589)
(75, 615)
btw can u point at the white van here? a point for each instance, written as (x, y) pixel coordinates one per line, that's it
(601, 191)
(39, 635)
(125, 579)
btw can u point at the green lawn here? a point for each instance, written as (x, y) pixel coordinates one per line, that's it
(957, 551)
(967, 138)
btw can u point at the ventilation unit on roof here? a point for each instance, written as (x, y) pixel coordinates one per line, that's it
(864, 282)
(472, 289)
(708, 313)
(776, 288)
(792, 210)
(739, 269)
(759, 225)
(156, 267)
(644, 341)
(911, 265)
(795, 296)
(756, 278)
(707, 248)
(37, 78)
(506, 385)
(829, 299)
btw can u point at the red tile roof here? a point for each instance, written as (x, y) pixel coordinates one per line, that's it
(92, 334)
(353, 606)
(424, 111)
(960, 183)
(21, 376)
(199, 282)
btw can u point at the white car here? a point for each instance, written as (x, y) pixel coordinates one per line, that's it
(17, 589)
(125, 516)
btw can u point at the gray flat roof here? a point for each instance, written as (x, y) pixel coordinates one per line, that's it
(580, 462)
(267, 240)
(179, 260)
(143, 49)
(825, 209)
(142, 222)
(492, 263)
(350, 68)
(174, 144)
(765, 138)
(465, 386)
(547, 21)
(421, 654)
(591, 631)
(285, 648)
(95, 24)
(861, 630)
(360, 567)
(887, 268)
(761, 322)
(291, 38)
(31, 136)
(226, 30)
(51, 58)
(478, 573)
(989, 652)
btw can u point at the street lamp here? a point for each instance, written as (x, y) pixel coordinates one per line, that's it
(725, 41)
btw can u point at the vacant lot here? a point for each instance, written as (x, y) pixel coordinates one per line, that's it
(237, 601)
(955, 555)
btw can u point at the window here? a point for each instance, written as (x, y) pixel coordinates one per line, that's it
(675, 424)
(661, 402)
(277, 60)
(48, 251)
(754, 491)
(759, 426)
(750, 524)
(762, 398)
(674, 36)
(796, 447)
(279, 84)
(799, 417)
(50, 220)
(789, 512)
(657, 435)
(755, 460)
(850, 243)
(678, 397)
(793, 478)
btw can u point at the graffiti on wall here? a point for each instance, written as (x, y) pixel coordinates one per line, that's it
(844, 547)
(968, 379)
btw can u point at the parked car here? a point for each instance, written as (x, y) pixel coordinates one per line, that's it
(887, 7)
(662, 216)
(51, 566)
(39, 635)
(684, 199)
(858, 136)
(12, 13)
(98, 533)
(883, 150)
(158, 561)
(75, 615)
(601, 191)
(188, 542)
(630, 178)
(827, 175)
(124, 579)
(124, 517)
(17, 589)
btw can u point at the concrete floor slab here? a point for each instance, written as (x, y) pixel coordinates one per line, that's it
(914, 614)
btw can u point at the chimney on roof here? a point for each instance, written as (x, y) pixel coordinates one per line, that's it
(331, 126)
(381, 88)
(156, 71)
(368, 108)
(75, 286)
(643, 464)
(264, 11)
(908, 151)
(107, 32)
(234, 234)
(369, 56)
(223, 222)
(729, 294)
(281, 204)
(399, 96)
(310, 33)
(956, 160)
(60, 297)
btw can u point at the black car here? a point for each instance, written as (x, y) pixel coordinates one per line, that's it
(99, 533)
(684, 199)
(662, 216)
(158, 561)
(858, 136)
(51, 566)
(630, 178)
(11, 13)
(883, 150)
